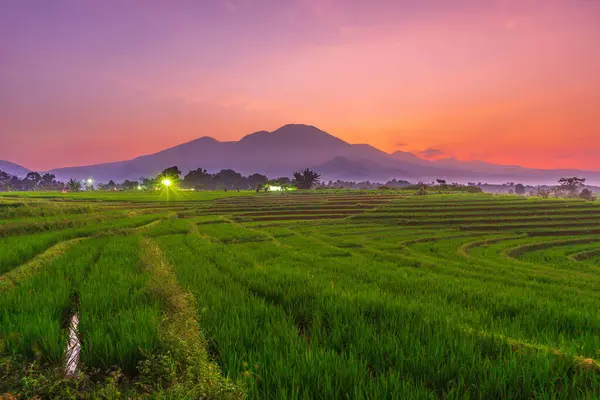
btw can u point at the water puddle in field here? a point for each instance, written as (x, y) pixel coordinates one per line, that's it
(73, 348)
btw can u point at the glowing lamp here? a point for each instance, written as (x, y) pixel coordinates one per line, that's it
(90, 181)
(166, 182)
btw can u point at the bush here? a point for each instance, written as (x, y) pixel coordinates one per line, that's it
(587, 194)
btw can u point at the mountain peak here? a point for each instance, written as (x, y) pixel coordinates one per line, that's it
(287, 127)
(307, 132)
(300, 129)
(294, 135)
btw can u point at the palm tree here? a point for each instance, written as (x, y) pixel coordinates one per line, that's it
(306, 179)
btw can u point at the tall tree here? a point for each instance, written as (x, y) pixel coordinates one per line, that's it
(16, 184)
(49, 182)
(256, 181)
(74, 185)
(306, 179)
(198, 179)
(32, 181)
(228, 179)
(172, 173)
(520, 189)
(544, 192)
(571, 185)
(4, 180)
(111, 185)
(587, 194)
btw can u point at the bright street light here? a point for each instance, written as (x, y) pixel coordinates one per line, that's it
(166, 182)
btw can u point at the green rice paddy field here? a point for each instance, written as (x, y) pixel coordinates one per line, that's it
(304, 295)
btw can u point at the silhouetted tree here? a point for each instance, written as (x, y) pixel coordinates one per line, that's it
(74, 185)
(256, 181)
(306, 179)
(520, 189)
(571, 185)
(31, 181)
(284, 180)
(172, 173)
(111, 185)
(130, 185)
(198, 179)
(15, 184)
(228, 179)
(49, 182)
(587, 194)
(4, 180)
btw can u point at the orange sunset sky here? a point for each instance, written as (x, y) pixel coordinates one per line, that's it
(504, 81)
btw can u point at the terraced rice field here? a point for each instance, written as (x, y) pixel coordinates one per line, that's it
(361, 295)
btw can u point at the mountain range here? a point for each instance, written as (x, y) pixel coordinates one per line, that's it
(13, 169)
(295, 146)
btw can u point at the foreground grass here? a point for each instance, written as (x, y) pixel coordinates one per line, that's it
(301, 296)
(137, 337)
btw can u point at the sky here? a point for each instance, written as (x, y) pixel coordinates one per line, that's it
(503, 81)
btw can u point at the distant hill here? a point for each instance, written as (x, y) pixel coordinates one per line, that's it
(346, 169)
(296, 146)
(13, 169)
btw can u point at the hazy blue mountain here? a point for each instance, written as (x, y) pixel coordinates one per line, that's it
(296, 146)
(406, 157)
(358, 169)
(13, 169)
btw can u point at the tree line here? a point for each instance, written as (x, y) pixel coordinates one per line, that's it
(32, 181)
(198, 179)
(229, 179)
(567, 187)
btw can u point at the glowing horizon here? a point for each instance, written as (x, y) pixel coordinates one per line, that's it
(504, 81)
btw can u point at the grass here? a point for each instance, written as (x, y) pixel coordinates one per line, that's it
(303, 295)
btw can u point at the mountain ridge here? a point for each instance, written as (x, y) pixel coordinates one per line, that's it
(14, 169)
(296, 146)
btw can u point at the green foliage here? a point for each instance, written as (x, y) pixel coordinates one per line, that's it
(307, 294)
